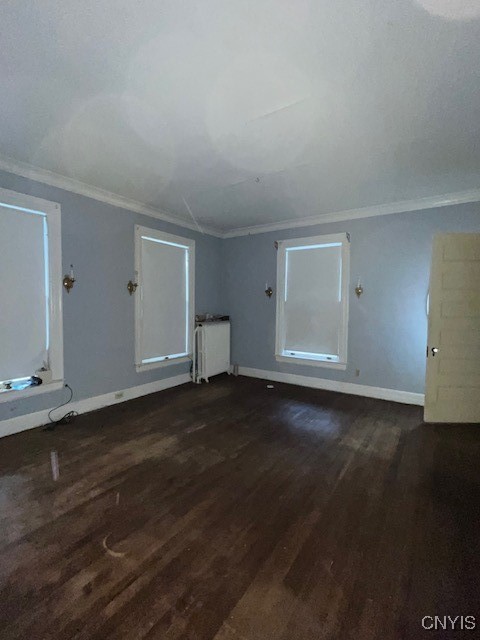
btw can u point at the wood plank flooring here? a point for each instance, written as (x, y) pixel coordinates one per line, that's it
(230, 511)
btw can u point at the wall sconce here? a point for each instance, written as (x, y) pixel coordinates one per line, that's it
(131, 287)
(268, 290)
(69, 279)
(359, 289)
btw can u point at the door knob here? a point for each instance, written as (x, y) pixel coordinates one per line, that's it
(434, 351)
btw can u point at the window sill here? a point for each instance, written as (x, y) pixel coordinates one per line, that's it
(7, 396)
(161, 363)
(341, 366)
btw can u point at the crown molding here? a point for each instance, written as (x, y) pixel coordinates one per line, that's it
(404, 206)
(59, 181)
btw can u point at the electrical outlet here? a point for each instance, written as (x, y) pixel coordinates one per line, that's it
(357, 372)
(119, 395)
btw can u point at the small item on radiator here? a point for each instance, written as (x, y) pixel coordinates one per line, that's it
(208, 317)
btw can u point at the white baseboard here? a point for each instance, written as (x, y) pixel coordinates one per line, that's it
(39, 418)
(406, 397)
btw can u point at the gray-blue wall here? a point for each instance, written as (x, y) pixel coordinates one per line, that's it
(98, 314)
(387, 328)
(388, 324)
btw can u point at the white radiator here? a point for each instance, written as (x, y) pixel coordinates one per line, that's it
(211, 352)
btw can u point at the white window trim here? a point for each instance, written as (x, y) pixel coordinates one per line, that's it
(283, 245)
(53, 212)
(165, 237)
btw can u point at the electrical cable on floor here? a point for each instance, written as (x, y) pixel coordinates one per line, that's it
(65, 419)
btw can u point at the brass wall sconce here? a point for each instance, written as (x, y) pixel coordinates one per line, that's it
(359, 289)
(131, 287)
(69, 279)
(268, 290)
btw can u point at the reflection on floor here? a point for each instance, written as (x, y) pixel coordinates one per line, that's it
(233, 511)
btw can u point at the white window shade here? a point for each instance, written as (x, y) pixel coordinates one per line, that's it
(164, 307)
(313, 310)
(312, 300)
(24, 295)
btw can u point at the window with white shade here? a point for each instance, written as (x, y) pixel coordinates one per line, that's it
(312, 300)
(30, 294)
(164, 308)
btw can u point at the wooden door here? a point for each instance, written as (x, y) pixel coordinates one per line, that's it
(452, 391)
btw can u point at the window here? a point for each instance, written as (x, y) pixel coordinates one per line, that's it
(164, 306)
(312, 300)
(30, 294)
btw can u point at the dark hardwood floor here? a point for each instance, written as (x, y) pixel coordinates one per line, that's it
(236, 512)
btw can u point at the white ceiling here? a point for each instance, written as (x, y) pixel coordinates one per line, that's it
(246, 112)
